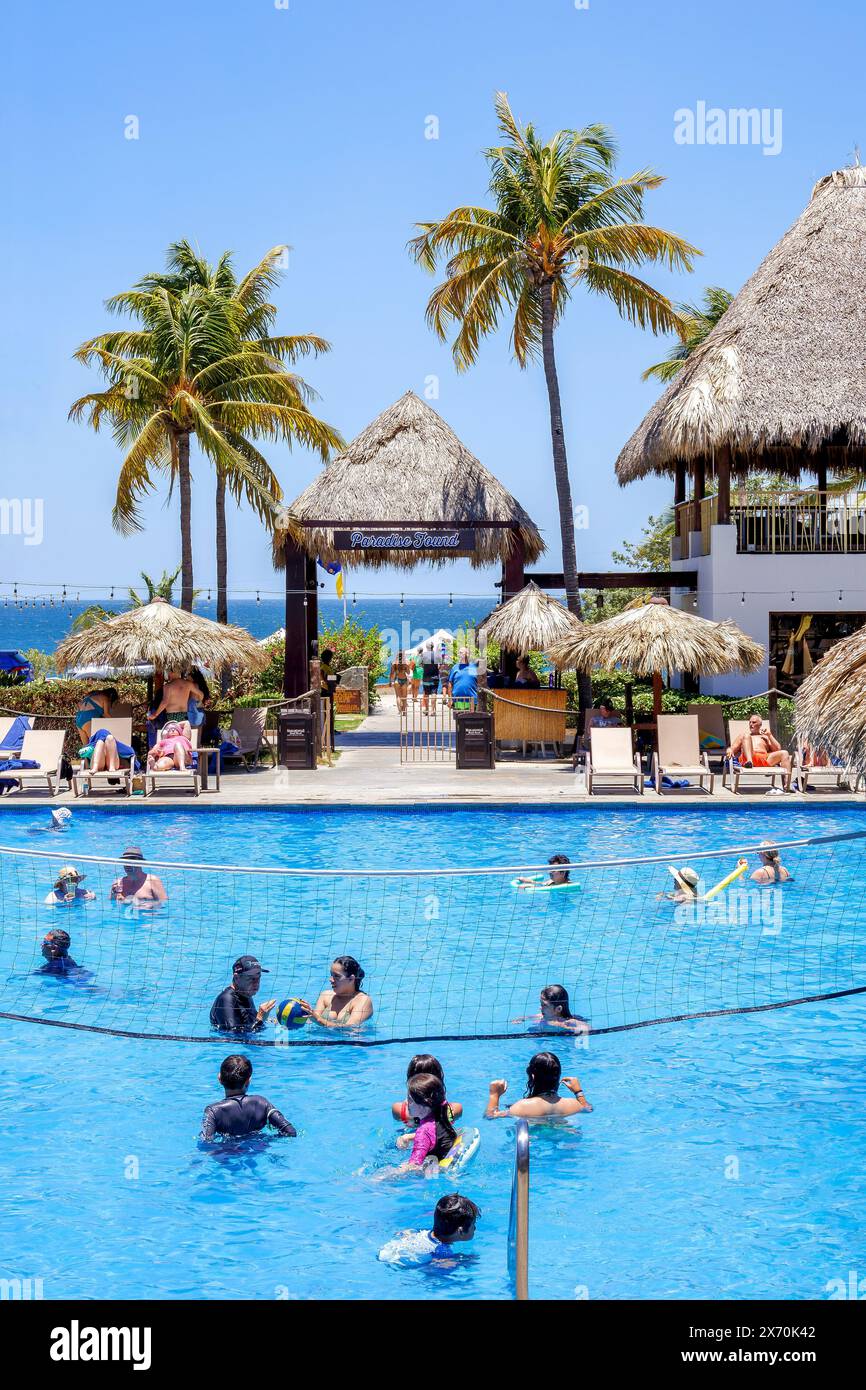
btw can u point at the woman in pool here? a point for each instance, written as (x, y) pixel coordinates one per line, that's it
(557, 876)
(67, 889)
(556, 1012)
(434, 1136)
(542, 1099)
(688, 884)
(772, 869)
(345, 1004)
(423, 1064)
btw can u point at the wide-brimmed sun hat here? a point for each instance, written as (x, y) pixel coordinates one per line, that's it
(69, 871)
(686, 878)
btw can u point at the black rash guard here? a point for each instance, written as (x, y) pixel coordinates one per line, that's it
(239, 1115)
(233, 1012)
(60, 965)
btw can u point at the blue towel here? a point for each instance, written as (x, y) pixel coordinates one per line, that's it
(194, 713)
(674, 782)
(14, 736)
(123, 748)
(14, 765)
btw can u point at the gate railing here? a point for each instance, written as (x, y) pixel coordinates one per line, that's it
(518, 1221)
(427, 728)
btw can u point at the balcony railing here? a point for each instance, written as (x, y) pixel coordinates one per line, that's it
(813, 523)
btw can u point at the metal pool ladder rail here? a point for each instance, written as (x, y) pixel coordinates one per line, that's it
(518, 1222)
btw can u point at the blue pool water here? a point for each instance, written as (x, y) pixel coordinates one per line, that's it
(723, 1157)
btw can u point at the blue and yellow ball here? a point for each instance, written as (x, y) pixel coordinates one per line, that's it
(291, 1014)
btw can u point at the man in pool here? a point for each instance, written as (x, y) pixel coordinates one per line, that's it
(239, 1114)
(58, 961)
(453, 1221)
(136, 888)
(233, 1011)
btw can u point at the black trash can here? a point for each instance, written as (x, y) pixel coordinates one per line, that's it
(296, 739)
(474, 740)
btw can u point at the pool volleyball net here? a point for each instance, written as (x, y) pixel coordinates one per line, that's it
(448, 953)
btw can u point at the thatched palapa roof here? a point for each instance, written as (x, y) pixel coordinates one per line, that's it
(653, 637)
(831, 702)
(166, 637)
(782, 376)
(530, 621)
(408, 466)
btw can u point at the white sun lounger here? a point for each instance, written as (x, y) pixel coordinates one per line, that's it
(612, 759)
(191, 776)
(45, 747)
(736, 773)
(679, 751)
(84, 779)
(829, 776)
(6, 722)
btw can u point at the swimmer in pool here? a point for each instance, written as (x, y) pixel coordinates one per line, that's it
(67, 889)
(772, 869)
(453, 1221)
(345, 1004)
(239, 1114)
(556, 1012)
(135, 888)
(419, 1064)
(557, 876)
(434, 1137)
(58, 961)
(58, 823)
(542, 1099)
(234, 1010)
(688, 883)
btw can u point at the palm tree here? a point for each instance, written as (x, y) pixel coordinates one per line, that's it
(156, 588)
(697, 322)
(559, 221)
(185, 268)
(187, 369)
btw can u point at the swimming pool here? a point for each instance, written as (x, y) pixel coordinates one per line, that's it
(722, 1158)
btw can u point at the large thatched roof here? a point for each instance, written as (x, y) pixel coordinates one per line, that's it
(831, 702)
(164, 636)
(653, 637)
(783, 373)
(408, 466)
(530, 621)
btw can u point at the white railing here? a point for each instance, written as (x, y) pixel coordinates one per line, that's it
(518, 1221)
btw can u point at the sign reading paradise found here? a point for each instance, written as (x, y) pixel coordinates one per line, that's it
(443, 541)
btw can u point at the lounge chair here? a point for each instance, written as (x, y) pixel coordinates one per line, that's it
(191, 775)
(7, 724)
(612, 758)
(838, 777)
(249, 725)
(679, 751)
(734, 772)
(45, 747)
(84, 779)
(712, 737)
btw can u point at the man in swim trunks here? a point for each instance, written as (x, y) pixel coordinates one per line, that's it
(233, 1011)
(176, 695)
(240, 1114)
(758, 748)
(135, 886)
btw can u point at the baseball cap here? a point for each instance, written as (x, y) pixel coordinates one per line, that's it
(244, 963)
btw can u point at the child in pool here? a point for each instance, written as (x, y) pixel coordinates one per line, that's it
(542, 1099)
(423, 1062)
(453, 1220)
(556, 1012)
(557, 876)
(435, 1135)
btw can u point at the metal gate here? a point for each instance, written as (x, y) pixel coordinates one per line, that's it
(427, 729)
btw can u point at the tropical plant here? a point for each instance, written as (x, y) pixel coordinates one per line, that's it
(698, 320)
(200, 362)
(158, 588)
(560, 221)
(89, 616)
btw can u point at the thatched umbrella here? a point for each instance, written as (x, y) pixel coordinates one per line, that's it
(648, 638)
(530, 621)
(166, 637)
(408, 466)
(831, 703)
(780, 378)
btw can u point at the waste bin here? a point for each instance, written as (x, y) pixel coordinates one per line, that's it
(474, 739)
(296, 739)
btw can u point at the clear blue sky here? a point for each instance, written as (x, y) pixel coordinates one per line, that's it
(260, 125)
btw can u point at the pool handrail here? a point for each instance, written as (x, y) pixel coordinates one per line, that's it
(518, 1220)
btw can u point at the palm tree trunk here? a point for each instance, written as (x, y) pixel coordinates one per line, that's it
(222, 558)
(222, 569)
(560, 473)
(185, 487)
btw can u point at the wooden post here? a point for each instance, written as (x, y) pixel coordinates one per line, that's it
(312, 608)
(296, 662)
(316, 700)
(699, 476)
(513, 576)
(629, 704)
(657, 694)
(821, 476)
(773, 702)
(723, 478)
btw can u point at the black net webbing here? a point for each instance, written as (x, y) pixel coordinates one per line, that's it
(448, 954)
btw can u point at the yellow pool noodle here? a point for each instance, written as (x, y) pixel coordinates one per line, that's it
(720, 887)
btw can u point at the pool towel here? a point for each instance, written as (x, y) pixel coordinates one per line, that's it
(14, 736)
(674, 782)
(123, 748)
(14, 765)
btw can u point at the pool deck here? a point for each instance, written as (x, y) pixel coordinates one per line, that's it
(368, 772)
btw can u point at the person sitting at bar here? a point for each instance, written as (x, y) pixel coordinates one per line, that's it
(526, 679)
